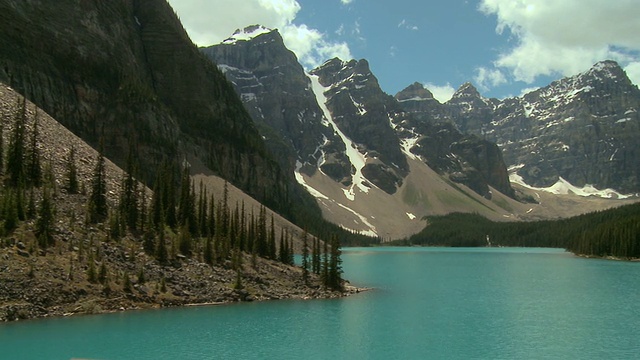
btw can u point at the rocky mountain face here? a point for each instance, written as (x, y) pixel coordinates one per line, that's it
(126, 71)
(466, 159)
(583, 129)
(277, 93)
(361, 110)
(337, 119)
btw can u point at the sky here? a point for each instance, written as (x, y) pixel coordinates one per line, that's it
(504, 47)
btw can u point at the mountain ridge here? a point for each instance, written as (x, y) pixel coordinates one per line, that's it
(422, 126)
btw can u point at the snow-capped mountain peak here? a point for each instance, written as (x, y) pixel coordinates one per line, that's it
(247, 34)
(467, 90)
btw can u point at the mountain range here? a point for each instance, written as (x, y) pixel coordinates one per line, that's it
(373, 160)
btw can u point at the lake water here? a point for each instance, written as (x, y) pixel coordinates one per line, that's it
(428, 303)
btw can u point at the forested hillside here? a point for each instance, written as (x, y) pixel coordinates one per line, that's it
(80, 235)
(614, 232)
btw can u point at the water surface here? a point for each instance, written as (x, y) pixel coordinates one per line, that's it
(432, 303)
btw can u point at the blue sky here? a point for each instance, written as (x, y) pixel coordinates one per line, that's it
(502, 46)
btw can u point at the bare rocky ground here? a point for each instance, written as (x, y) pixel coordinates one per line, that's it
(36, 283)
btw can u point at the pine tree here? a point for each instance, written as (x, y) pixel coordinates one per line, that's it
(143, 208)
(102, 274)
(335, 265)
(126, 283)
(315, 256)
(98, 209)
(31, 206)
(149, 241)
(33, 168)
(1, 147)
(185, 240)
(208, 251)
(44, 223)
(92, 275)
(161, 253)
(141, 277)
(211, 223)
(271, 241)
(325, 265)
(184, 203)
(10, 212)
(282, 252)
(202, 211)
(72, 172)
(115, 226)
(156, 214)
(129, 194)
(16, 151)
(305, 257)
(242, 237)
(292, 253)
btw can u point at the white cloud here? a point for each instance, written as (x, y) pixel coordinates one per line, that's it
(393, 50)
(525, 91)
(633, 71)
(488, 78)
(565, 37)
(311, 47)
(346, 2)
(210, 22)
(442, 93)
(404, 24)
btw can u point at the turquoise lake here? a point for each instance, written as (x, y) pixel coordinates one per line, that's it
(428, 303)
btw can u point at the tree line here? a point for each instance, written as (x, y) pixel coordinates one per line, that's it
(614, 232)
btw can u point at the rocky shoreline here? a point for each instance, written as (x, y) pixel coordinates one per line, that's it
(55, 283)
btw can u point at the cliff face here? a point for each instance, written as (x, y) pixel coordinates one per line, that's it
(583, 129)
(277, 93)
(126, 71)
(361, 110)
(429, 133)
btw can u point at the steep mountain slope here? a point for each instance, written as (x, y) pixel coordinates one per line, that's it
(465, 159)
(582, 130)
(350, 139)
(277, 93)
(88, 269)
(126, 71)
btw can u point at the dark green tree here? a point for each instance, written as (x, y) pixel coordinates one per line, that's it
(92, 274)
(10, 212)
(16, 151)
(72, 172)
(129, 203)
(1, 147)
(186, 206)
(46, 220)
(325, 265)
(208, 251)
(185, 241)
(305, 257)
(33, 167)
(334, 280)
(97, 208)
(161, 253)
(32, 212)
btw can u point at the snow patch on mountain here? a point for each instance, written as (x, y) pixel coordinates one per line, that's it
(300, 179)
(247, 34)
(563, 187)
(357, 159)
